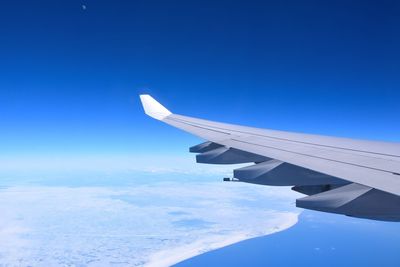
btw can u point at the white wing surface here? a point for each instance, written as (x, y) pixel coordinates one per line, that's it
(353, 177)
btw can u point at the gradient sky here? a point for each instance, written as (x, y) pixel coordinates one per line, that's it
(70, 76)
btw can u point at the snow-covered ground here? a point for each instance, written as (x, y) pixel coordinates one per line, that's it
(155, 224)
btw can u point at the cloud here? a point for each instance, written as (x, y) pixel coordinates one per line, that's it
(152, 224)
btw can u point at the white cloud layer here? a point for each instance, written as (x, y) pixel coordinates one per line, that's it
(152, 224)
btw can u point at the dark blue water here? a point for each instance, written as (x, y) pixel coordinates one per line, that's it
(318, 239)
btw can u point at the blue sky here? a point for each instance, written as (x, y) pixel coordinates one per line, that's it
(70, 77)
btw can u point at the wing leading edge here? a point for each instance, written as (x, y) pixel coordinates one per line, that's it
(353, 177)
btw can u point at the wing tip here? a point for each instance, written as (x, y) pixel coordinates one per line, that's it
(153, 108)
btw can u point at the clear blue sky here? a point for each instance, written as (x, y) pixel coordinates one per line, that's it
(70, 77)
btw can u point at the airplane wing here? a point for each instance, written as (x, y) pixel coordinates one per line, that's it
(352, 177)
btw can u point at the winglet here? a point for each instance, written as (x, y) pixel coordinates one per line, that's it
(153, 108)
